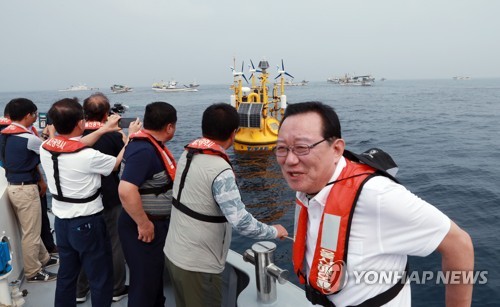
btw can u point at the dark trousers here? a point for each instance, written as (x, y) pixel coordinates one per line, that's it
(110, 215)
(146, 262)
(46, 233)
(84, 242)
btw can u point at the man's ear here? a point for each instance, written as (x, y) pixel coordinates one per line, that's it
(338, 147)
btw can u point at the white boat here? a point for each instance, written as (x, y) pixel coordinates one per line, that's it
(291, 83)
(461, 78)
(118, 88)
(171, 86)
(363, 80)
(243, 285)
(75, 88)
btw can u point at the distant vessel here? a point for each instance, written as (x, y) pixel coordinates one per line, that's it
(118, 88)
(291, 83)
(193, 84)
(461, 78)
(171, 86)
(363, 80)
(74, 88)
(258, 109)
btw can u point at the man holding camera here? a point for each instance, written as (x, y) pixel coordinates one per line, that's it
(97, 109)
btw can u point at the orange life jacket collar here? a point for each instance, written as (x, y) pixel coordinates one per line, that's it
(165, 155)
(209, 147)
(60, 144)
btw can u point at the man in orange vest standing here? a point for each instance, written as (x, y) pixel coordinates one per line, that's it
(146, 194)
(354, 216)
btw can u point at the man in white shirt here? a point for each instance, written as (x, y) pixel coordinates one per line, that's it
(352, 217)
(73, 173)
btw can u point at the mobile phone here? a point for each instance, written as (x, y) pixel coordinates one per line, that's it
(43, 120)
(124, 122)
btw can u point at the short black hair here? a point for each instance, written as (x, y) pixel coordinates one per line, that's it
(18, 108)
(6, 112)
(219, 121)
(96, 107)
(330, 119)
(158, 115)
(65, 114)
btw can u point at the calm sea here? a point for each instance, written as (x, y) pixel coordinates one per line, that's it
(444, 135)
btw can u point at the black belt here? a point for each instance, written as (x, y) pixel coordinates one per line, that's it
(23, 182)
(152, 217)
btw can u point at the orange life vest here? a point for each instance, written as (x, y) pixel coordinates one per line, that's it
(4, 121)
(328, 266)
(208, 147)
(62, 145)
(14, 129)
(166, 156)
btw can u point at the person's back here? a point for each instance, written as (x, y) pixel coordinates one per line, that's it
(73, 171)
(197, 195)
(207, 204)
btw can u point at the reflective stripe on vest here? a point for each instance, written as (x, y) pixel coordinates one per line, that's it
(328, 266)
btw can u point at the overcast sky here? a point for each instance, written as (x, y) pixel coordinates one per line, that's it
(52, 44)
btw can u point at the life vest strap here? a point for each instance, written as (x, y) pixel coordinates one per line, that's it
(198, 216)
(183, 208)
(60, 196)
(386, 296)
(156, 190)
(78, 200)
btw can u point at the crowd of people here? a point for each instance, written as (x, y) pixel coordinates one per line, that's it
(123, 199)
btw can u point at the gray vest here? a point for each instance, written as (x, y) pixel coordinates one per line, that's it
(192, 244)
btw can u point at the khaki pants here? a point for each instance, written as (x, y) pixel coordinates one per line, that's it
(25, 201)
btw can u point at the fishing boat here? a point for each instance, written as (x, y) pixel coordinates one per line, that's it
(75, 88)
(259, 110)
(171, 86)
(249, 280)
(361, 80)
(118, 89)
(291, 83)
(193, 84)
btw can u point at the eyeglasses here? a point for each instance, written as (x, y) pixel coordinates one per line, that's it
(298, 150)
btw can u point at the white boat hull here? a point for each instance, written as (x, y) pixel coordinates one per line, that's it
(175, 90)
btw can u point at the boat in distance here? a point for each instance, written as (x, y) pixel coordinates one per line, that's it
(291, 83)
(171, 86)
(76, 88)
(361, 80)
(118, 89)
(259, 110)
